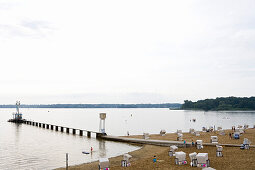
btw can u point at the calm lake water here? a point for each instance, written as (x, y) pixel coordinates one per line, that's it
(28, 147)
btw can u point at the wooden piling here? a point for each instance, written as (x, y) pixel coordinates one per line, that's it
(67, 130)
(81, 132)
(56, 128)
(88, 134)
(36, 123)
(43, 125)
(33, 123)
(40, 125)
(51, 127)
(74, 131)
(47, 126)
(62, 129)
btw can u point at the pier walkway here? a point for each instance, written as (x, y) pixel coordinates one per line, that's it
(162, 142)
(68, 130)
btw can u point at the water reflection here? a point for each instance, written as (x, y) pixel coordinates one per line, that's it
(102, 148)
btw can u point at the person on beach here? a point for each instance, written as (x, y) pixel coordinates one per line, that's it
(154, 159)
(230, 135)
(192, 143)
(91, 149)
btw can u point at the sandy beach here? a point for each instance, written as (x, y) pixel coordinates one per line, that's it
(233, 157)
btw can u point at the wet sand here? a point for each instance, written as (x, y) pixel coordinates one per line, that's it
(233, 157)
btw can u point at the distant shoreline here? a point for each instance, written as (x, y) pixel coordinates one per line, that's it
(163, 105)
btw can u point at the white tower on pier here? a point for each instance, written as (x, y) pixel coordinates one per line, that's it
(102, 117)
(17, 115)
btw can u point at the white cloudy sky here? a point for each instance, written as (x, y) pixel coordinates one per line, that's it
(63, 51)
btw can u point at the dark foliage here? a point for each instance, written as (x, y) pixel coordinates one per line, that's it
(221, 103)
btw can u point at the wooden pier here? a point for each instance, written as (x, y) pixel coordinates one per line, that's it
(63, 129)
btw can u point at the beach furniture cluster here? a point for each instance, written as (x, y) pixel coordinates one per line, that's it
(210, 129)
(196, 160)
(126, 160)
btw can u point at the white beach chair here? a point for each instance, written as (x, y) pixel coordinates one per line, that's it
(219, 150)
(199, 144)
(180, 158)
(193, 159)
(214, 139)
(103, 163)
(173, 148)
(202, 160)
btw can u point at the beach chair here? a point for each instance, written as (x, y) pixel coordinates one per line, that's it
(162, 132)
(219, 151)
(239, 126)
(236, 135)
(199, 144)
(202, 160)
(104, 164)
(193, 159)
(173, 148)
(180, 158)
(246, 144)
(209, 168)
(222, 132)
(179, 136)
(214, 139)
(191, 130)
(146, 136)
(196, 133)
(178, 131)
(219, 128)
(211, 129)
(246, 126)
(126, 160)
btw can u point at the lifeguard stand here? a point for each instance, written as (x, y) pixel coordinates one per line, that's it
(102, 117)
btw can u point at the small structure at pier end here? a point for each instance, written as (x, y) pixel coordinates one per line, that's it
(17, 117)
(102, 117)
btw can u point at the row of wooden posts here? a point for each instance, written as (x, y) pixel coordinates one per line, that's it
(62, 128)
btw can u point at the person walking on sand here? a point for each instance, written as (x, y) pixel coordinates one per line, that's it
(230, 136)
(154, 159)
(91, 149)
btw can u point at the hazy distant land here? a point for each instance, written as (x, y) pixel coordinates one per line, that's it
(163, 105)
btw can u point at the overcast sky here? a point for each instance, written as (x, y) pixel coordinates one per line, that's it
(63, 51)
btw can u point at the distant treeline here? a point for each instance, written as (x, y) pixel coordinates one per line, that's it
(163, 105)
(222, 103)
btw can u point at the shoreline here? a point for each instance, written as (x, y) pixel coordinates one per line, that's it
(142, 158)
